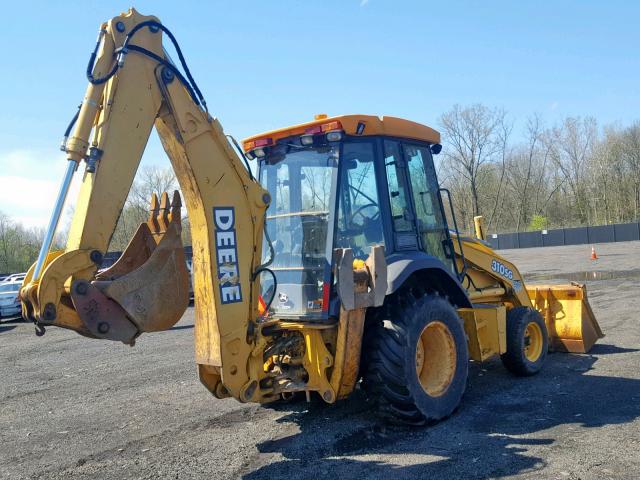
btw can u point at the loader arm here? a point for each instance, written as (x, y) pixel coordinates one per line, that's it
(493, 280)
(133, 85)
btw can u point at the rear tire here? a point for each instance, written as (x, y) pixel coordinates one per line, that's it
(527, 342)
(400, 352)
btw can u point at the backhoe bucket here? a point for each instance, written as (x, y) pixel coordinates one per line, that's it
(570, 321)
(150, 281)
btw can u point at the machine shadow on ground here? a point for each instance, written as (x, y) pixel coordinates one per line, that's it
(6, 328)
(9, 323)
(486, 438)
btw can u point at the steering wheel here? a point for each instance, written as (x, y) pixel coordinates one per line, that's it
(359, 212)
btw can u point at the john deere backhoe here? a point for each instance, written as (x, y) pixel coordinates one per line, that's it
(335, 267)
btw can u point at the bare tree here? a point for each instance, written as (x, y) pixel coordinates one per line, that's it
(19, 246)
(631, 155)
(571, 146)
(6, 243)
(503, 137)
(522, 167)
(473, 136)
(136, 209)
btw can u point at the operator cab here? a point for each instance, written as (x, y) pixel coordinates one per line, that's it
(354, 182)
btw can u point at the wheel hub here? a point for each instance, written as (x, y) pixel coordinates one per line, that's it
(533, 341)
(435, 358)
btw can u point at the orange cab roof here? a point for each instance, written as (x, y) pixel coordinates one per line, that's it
(352, 124)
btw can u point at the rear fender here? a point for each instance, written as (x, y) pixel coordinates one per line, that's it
(429, 272)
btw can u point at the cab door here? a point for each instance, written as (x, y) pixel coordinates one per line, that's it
(405, 235)
(431, 225)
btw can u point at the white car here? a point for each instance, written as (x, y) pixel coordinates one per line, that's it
(9, 299)
(16, 277)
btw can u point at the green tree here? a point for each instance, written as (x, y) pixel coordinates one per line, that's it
(538, 222)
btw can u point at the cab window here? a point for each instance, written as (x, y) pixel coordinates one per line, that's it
(432, 227)
(398, 197)
(359, 222)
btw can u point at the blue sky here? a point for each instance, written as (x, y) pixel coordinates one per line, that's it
(268, 64)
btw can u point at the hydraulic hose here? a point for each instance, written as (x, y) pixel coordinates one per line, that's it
(152, 24)
(92, 61)
(265, 265)
(67, 132)
(188, 82)
(242, 155)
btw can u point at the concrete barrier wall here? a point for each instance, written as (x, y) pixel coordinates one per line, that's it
(530, 239)
(576, 236)
(553, 237)
(621, 232)
(625, 232)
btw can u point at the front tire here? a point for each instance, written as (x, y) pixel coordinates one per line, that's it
(416, 360)
(527, 342)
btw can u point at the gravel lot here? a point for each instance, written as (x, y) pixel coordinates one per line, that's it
(74, 408)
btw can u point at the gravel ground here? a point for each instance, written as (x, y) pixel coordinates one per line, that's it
(74, 408)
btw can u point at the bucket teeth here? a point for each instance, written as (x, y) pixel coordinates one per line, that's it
(163, 215)
(162, 212)
(176, 206)
(150, 281)
(153, 214)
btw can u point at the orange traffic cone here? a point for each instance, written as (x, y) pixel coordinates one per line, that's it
(593, 253)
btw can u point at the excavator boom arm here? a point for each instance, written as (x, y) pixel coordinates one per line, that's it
(134, 86)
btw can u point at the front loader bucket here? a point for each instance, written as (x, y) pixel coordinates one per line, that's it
(570, 321)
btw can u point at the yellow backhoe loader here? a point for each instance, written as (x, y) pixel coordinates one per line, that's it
(336, 266)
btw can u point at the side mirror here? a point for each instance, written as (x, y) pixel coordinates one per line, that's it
(436, 148)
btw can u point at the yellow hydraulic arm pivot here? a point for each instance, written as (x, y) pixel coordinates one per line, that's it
(133, 85)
